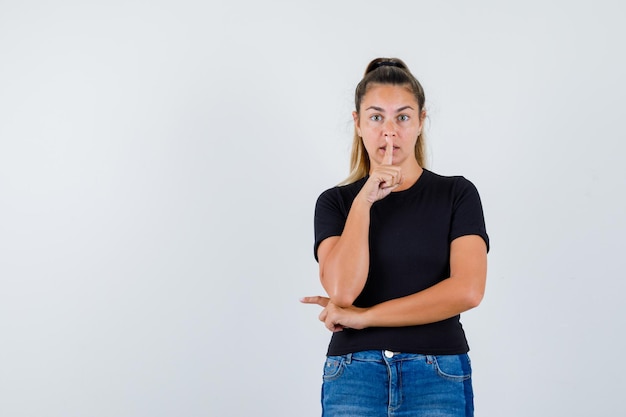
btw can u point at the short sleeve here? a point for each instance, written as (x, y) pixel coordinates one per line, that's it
(467, 212)
(330, 216)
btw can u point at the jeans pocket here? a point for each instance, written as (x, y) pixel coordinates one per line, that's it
(333, 367)
(453, 367)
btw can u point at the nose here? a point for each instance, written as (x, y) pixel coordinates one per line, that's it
(389, 129)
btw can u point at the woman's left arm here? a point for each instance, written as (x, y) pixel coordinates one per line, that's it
(462, 291)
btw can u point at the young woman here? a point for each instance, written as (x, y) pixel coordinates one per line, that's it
(402, 252)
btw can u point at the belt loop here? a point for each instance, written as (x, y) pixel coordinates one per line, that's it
(348, 358)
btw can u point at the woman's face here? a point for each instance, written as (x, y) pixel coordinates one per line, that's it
(389, 111)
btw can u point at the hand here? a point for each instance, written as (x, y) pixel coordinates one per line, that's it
(337, 318)
(384, 178)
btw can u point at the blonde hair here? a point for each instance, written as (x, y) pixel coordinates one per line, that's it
(384, 71)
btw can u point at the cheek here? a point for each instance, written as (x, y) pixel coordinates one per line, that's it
(371, 131)
(369, 146)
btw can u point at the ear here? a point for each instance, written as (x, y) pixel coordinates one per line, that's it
(422, 118)
(357, 124)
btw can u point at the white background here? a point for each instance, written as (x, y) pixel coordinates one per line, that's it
(159, 164)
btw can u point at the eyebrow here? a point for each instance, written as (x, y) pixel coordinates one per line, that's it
(380, 109)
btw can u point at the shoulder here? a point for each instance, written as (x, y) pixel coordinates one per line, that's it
(466, 207)
(344, 193)
(452, 183)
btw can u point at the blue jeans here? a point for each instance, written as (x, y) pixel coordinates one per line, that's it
(377, 383)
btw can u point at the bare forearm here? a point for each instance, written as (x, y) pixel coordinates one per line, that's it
(442, 301)
(346, 266)
(462, 291)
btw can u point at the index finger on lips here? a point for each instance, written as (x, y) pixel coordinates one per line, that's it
(388, 158)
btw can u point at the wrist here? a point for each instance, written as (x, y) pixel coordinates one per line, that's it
(364, 318)
(361, 202)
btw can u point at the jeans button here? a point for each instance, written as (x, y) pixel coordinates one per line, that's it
(388, 354)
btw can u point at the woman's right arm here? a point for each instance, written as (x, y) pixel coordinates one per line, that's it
(344, 260)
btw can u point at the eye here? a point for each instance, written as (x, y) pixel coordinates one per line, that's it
(376, 117)
(403, 118)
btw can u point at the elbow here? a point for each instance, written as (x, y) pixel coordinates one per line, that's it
(339, 295)
(342, 300)
(470, 291)
(473, 298)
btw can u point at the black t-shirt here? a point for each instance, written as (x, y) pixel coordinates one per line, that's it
(409, 242)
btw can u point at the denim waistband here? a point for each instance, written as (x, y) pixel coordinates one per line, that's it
(383, 356)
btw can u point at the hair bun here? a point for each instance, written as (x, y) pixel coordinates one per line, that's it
(385, 62)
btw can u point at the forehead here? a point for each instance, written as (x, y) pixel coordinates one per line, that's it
(389, 94)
